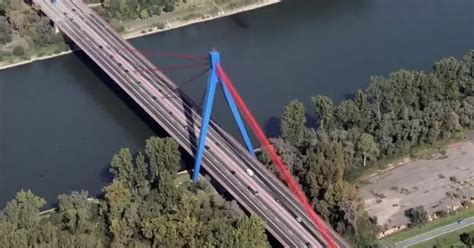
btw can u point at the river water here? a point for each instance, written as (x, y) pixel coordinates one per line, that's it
(61, 120)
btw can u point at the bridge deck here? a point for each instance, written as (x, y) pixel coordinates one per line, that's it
(225, 159)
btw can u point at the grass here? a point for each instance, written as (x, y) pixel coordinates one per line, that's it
(192, 9)
(34, 52)
(359, 174)
(448, 240)
(182, 177)
(412, 232)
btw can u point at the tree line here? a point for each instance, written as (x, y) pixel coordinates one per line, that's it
(16, 16)
(134, 9)
(388, 119)
(142, 207)
(24, 19)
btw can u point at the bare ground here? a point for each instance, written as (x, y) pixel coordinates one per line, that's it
(439, 183)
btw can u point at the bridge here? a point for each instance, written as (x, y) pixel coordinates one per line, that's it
(225, 159)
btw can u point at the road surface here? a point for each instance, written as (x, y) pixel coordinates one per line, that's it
(225, 159)
(436, 233)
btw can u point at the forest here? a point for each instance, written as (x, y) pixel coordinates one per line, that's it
(141, 207)
(389, 119)
(134, 9)
(26, 31)
(23, 29)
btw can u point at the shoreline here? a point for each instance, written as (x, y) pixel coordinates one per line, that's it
(172, 25)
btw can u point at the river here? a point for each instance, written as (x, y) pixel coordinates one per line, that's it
(61, 121)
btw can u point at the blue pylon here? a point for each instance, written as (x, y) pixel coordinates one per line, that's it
(213, 81)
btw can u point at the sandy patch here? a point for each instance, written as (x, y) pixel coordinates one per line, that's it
(436, 184)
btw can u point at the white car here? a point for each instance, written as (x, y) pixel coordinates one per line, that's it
(298, 219)
(250, 172)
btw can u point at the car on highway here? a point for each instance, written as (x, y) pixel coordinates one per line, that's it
(255, 192)
(249, 172)
(298, 219)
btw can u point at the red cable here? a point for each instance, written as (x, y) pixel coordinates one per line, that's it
(176, 67)
(275, 157)
(190, 80)
(185, 83)
(179, 67)
(167, 54)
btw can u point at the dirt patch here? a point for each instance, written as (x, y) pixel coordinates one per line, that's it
(437, 184)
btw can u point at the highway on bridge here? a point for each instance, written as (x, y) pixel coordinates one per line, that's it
(226, 160)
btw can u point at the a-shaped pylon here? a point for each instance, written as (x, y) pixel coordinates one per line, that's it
(213, 81)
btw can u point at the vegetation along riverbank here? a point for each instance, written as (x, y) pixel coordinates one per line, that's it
(143, 206)
(27, 36)
(391, 118)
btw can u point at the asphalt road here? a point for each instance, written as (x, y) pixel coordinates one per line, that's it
(115, 56)
(435, 233)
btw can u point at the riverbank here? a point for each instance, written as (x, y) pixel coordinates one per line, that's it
(165, 22)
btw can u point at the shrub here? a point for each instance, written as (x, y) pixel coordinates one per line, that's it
(466, 203)
(453, 179)
(417, 215)
(117, 26)
(18, 51)
(441, 213)
(144, 14)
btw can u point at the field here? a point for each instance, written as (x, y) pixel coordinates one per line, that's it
(412, 232)
(447, 240)
(438, 183)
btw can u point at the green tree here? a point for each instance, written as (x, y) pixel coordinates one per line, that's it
(467, 239)
(80, 240)
(10, 236)
(324, 110)
(121, 166)
(76, 212)
(367, 147)
(168, 194)
(163, 154)
(2, 8)
(293, 123)
(347, 114)
(417, 215)
(118, 200)
(18, 51)
(23, 211)
(46, 236)
(249, 232)
(141, 175)
(5, 30)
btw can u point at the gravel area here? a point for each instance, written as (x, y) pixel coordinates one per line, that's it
(439, 183)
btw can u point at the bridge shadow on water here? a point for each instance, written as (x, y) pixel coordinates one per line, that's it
(186, 159)
(105, 175)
